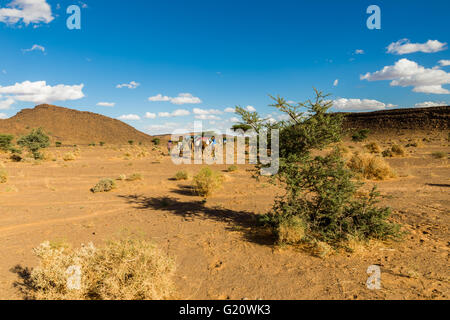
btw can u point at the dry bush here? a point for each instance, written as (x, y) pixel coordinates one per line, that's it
(3, 176)
(398, 150)
(370, 167)
(69, 156)
(291, 231)
(207, 181)
(439, 155)
(232, 168)
(181, 175)
(104, 185)
(135, 177)
(373, 147)
(128, 269)
(122, 177)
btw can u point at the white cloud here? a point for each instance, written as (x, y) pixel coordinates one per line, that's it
(40, 92)
(29, 11)
(176, 113)
(444, 63)
(131, 85)
(359, 51)
(230, 110)
(406, 73)
(3, 116)
(336, 82)
(250, 109)
(207, 117)
(343, 104)
(182, 98)
(234, 119)
(6, 104)
(404, 46)
(150, 115)
(203, 111)
(35, 47)
(133, 117)
(106, 104)
(428, 104)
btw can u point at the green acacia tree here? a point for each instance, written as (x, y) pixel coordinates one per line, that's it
(35, 141)
(319, 203)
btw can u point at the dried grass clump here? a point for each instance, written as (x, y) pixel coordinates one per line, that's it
(3, 176)
(104, 185)
(291, 231)
(207, 181)
(69, 156)
(370, 167)
(122, 270)
(233, 168)
(398, 150)
(439, 155)
(373, 147)
(135, 177)
(181, 175)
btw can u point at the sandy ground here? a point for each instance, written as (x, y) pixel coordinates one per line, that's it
(217, 254)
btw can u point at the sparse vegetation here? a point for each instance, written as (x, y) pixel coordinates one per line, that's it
(35, 141)
(207, 181)
(370, 167)
(360, 135)
(69, 156)
(181, 175)
(130, 269)
(58, 144)
(232, 168)
(135, 177)
(101, 143)
(104, 185)
(130, 142)
(439, 155)
(3, 176)
(156, 141)
(398, 150)
(6, 142)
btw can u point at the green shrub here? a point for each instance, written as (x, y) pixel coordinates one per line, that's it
(130, 142)
(232, 168)
(360, 135)
(320, 203)
(101, 143)
(181, 175)
(58, 144)
(6, 142)
(34, 141)
(104, 185)
(207, 181)
(156, 141)
(439, 155)
(129, 269)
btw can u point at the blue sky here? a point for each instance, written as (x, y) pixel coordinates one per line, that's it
(194, 58)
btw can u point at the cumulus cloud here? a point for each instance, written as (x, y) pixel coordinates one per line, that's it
(176, 113)
(207, 117)
(336, 82)
(230, 110)
(28, 11)
(106, 104)
(3, 116)
(406, 73)
(404, 46)
(234, 119)
(40, 92)
(343, 104)
(6, 104)
(203, 111)
(150, 115)
(444, 63)
(132, 117)
(131, 85)
(182, 98)
(35, 47)
(250, 109)
(428, 104)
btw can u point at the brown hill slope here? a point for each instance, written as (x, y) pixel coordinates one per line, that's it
(72, 126)
(437, 118)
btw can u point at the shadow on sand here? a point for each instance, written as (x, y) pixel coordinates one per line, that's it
(237, 220)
